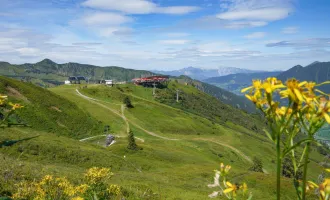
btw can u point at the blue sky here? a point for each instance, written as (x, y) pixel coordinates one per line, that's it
(167, 34)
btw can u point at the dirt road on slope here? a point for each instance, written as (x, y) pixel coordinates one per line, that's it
(122, 115)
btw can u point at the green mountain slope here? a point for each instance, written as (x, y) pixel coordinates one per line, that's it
(47, 111)
(49, 73)
(219, 93)
(180, 148)
(235, 82)
(195, 101)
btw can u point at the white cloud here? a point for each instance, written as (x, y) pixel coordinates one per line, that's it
(138, 7)
(261, 11)
(26, 51)
(255, 35)
(177, 10)
(174, 42)
(106, 18)
(177, 34)
(266, 14)
(115, 31)
(290, 30)
(309, 43)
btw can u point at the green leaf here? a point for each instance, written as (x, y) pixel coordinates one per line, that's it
(270, 136)
(326, 82)
(5, 198)
(95, 197)
(285, 152)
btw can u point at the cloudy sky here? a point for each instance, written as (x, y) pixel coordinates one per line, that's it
(166, 34)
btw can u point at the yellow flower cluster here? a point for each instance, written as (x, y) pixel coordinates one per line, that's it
(224, 170)
(323, 188)
(50, 187)
(96, 174)
(301, 95)
(3, 99)
(306, 110)
(81, 189)
(229, 190)
(114, 189)
(233, 188)
(25, 190)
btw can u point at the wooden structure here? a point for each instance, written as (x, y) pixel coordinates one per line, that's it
(151, 81)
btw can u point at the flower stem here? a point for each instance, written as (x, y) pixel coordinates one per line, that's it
(279, 162)
(305, 171)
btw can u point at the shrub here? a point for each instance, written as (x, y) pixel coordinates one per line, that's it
(257, 165)
(128, 103)
(288, 170)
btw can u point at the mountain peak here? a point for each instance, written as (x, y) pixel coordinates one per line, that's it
(47, 61)
(313, 63)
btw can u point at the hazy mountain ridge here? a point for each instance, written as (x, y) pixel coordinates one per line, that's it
(201, 74)
(317, 71)
(235, 82)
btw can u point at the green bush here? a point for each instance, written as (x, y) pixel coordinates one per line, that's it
(128, 103)
(257, 165)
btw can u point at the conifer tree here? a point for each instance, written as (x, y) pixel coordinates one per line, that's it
(128, 103)
(131, 141)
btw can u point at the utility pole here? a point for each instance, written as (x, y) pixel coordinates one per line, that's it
(177, 95)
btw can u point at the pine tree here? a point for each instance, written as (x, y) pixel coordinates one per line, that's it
(128, 103)
(131, 141)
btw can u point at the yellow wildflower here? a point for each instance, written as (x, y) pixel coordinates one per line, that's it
(294, 91)
(66, 186)
(310, 87)
(310, 185)
(114, 189)
(324, 189)
(283, 111)
(271, 84)
(256, 85)
(77, 198)
(324, 109)
(96, 174)
(25, 190)
(82, 188)
(47, 179)
(231, 188)
(2, 99)
(224, 170)
(15, 106)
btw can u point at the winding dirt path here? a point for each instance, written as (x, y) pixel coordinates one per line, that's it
(122, 115)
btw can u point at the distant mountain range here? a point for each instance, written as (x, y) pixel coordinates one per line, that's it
(235, 82)
(316, 71)
(202, 74)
